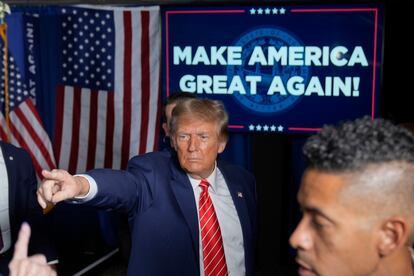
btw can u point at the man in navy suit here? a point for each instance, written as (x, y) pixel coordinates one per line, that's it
(18, 185)
(160, 193)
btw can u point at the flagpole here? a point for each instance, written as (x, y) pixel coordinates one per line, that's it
(4, 8)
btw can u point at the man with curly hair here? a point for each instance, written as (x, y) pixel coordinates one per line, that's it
(357, 198)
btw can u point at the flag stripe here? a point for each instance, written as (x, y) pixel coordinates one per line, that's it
(43, 142)
(59, 119)
(110, 120)
(18, 137)
(136, 85)
(84, 128)
(90, 163)
(30, 128)
(3, 135)
(119, 88)
(34, 120)
(74, 147)
(66, 126)
(152, 146)
(127, 88)
(145, 69)
(101, 129)
(3, 131)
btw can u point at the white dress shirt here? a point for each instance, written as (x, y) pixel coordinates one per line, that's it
(230, 226)
(4, 205)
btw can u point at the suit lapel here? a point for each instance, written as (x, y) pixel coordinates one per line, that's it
(184, 194)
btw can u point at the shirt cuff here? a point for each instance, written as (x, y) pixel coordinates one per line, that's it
(93, 190)
(52, 262)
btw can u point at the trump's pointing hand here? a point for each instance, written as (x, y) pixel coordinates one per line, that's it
(59, 185)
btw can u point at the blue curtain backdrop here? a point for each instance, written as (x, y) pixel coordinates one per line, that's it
(45, 30)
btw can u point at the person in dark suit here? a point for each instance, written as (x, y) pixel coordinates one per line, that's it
(18, 185)
(161, 194)
(357, 197)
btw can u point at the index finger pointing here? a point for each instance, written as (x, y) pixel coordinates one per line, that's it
(53, 174)
(20, 248)
(56, 175)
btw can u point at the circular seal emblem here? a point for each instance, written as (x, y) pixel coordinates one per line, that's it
(261, 102)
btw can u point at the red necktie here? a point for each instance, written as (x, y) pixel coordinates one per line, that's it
(212, 243)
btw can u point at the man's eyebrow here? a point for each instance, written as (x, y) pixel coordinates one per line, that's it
(317, 211)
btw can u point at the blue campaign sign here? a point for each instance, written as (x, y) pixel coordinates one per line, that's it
(277, 68)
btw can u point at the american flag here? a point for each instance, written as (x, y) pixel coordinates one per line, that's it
(108, 99)
(25, 127)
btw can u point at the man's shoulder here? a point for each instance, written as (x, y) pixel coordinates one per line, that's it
(162, 154)
(153, 163)
(155, 157)
(9, 149)
(231, 168)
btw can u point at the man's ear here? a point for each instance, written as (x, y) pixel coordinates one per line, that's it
(222, 145)
(172, 142)
(393, 235)
(165, 128)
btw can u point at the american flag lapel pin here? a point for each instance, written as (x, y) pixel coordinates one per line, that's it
(240, 194)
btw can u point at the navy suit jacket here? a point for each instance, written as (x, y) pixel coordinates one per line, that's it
(23, 205)
(159, 200)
